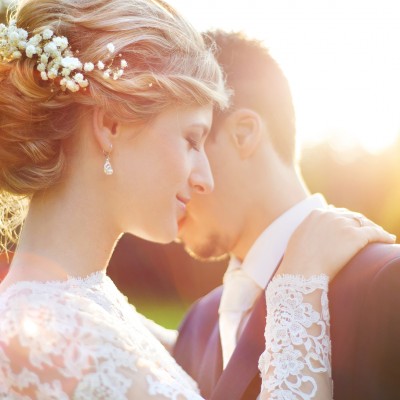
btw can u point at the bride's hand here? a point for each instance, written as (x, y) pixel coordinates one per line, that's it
(327, 239)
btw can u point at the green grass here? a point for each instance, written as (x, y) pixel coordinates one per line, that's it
(167, 313)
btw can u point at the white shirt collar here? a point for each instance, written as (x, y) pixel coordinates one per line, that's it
(267, 251)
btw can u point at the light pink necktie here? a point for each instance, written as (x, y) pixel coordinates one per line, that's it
(238, 297)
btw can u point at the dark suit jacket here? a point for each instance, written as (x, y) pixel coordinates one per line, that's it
(364, 302)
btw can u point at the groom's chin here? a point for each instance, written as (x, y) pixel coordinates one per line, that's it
(205, 253)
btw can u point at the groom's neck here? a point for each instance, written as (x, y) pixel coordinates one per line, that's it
(268, 203)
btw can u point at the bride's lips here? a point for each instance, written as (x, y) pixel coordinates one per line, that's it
(182, 201)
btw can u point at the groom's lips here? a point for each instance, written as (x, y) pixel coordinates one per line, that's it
(181, 222)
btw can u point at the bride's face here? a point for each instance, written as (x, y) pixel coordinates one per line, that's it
(158, 170)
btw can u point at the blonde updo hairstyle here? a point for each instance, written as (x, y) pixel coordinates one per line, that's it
(168, 63)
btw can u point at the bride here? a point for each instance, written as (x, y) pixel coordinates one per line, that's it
(105, 108)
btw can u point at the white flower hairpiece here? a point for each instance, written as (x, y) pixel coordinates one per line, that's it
(55, 58)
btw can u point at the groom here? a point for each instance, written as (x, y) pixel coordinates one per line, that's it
(258, 201)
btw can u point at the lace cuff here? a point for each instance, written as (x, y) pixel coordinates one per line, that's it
(296, 362)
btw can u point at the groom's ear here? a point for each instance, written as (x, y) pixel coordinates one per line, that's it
(245, 131)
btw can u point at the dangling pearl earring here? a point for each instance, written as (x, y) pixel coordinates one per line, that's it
(108, 169)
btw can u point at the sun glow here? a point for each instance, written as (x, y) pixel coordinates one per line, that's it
(342, 58)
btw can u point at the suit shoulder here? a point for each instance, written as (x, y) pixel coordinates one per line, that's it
(369, 262)
(382, 258)
(381, 252)
(370, 265)
(387, 275)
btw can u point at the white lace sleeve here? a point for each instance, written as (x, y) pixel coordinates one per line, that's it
(57, 346)
(296, 362)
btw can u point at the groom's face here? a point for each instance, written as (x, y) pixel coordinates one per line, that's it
(213, 222)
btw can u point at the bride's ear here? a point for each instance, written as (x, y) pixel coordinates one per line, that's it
(105, 129)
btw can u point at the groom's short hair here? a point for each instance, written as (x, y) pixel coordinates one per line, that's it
(258, 83)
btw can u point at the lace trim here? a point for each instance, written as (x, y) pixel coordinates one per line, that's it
(297, 338)
(95, 278)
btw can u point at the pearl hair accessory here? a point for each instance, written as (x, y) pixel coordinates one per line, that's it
(55, 59)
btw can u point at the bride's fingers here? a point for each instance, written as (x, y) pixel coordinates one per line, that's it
(377, 234)
(371, 231)
(363, 232)
(375, 231)
(360, 221)
(327, 239)
(357, 218)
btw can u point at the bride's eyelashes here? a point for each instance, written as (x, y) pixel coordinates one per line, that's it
(194, 143)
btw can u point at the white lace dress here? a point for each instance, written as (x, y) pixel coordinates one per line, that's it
(81, 339)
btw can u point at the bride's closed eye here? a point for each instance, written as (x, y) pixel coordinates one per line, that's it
(194, 143)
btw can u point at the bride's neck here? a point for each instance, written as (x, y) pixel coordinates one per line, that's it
(63, 234)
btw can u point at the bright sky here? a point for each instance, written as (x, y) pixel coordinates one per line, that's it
(342, 58)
